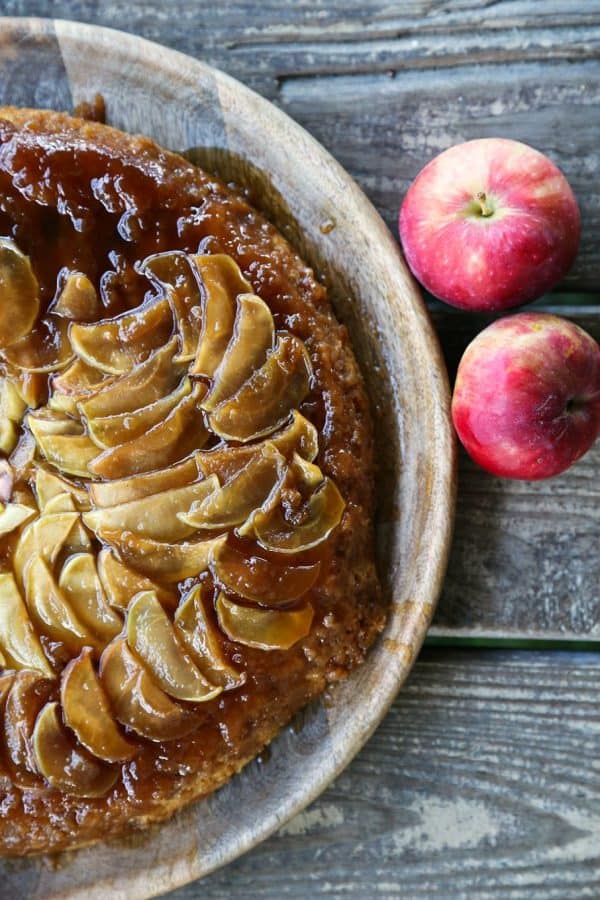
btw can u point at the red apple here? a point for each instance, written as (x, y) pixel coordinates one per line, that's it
(489, 224)
(526, 401)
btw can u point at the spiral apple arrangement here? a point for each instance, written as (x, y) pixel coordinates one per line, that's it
(486, 226)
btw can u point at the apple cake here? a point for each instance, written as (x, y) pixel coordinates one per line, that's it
(186, 484)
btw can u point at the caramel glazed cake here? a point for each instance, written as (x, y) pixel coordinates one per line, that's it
(186, 484)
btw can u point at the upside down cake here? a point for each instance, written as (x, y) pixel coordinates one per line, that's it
(186, 484)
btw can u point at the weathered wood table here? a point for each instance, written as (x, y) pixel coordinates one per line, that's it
(484, 780)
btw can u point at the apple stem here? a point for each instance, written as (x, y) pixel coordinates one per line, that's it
(486, 209)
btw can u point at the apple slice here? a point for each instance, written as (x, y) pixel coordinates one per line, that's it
(16, 514)
(252, 338)
(151, 636)
(157, 516)
(60, 503)
(19, 293)
(22, 457)
(263, 629)
(263, 402)
(137, 702)
(47, 421)
(45, 537)
(167, 562)
(87, 712)
(28, 693)
(50, 609)
(222, 282)
(200, 634)
(78, 299)
(71, 453)
(82, 588)
(282, 529)
(112, 493)
(12, 405)
(32, 387)
(19, 643)
(75, 384)
(181, 432)
(121, 583)
(110, 431)
(173, 273)
(149, 381)
(46, 348)
(49, 485)
(258, 579)
(246, 491)
(9, 435)
(65, 765)
(117, 345)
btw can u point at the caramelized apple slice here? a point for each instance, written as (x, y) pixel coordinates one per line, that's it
(279, 527)
(66, 766)
(77, 383)
(117, 345)
(173, 273)
(258, 579)
(44, 537)
(149, 381)
(9, 435)
(50, 609)
(78, 299)
(19, 293)
(270, 394)
(32, 387)
(18, 641)
(156, 516)
(46, 348)
(16, 514)
(71, 453)
(60, 503)
(201, 636)
(222, 282)
(152, 637)
(12, 405)
(47, 421)
(78, 540)
(121, 583)
(86, 711)
(110, 431)
(252, 338)
(49, 485)
(263, 629)
(137, 702)
(181, 432)
(26, 696)
(167, 562)
(112, 493)
(246, 491)
(82, 588)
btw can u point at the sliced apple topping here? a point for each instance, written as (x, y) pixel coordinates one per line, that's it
(112, 493)
(118, 345)
(9, 435)
(50, 609)
(167, 562)
(19, 642)
(260, 580)
(246, 491)
(46, 348)
(46, 421)
(71, 453)
(32, 387)
(28, 693)
(78, 299)
(200, 634)
(43, 537)
(16, 514)
(268, 397)
(182, 431)
(149, 381)
(174, 274)
(136, 700)
(19, 293)
(263, 629)
(252, 338)
(81, 585)
(12, 404)
(49, 485)
(151, 636)
(75, 384)
(60, 503)
(63, 763)
(121, 583)
(289, 523)
(86, 710)
(110, 431)
(159, 516)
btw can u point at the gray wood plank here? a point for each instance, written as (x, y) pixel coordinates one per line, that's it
(387, 86)
(483, 781)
